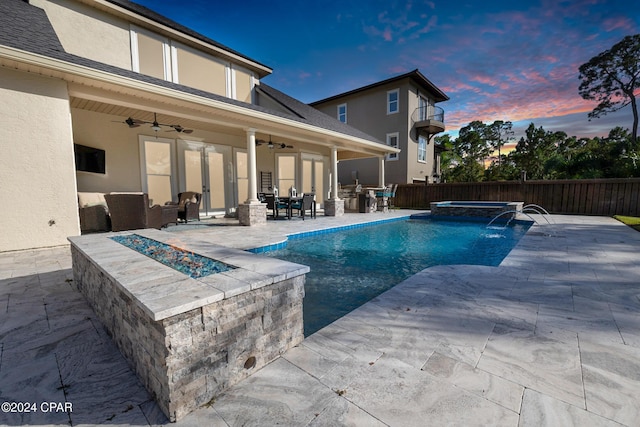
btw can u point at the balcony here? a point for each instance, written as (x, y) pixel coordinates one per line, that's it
(428, 120)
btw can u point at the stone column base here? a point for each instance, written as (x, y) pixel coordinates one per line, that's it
(252, 213)
(333, 207)
(383, 204)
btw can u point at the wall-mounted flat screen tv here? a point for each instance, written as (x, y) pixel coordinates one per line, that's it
(89, 159)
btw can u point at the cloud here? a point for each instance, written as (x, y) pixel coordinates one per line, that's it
(402, 22)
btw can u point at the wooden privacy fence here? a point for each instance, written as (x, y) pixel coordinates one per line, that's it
(580, 196)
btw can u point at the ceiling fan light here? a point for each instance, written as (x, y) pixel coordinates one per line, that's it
(155, 127)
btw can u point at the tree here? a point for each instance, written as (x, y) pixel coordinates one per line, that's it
(448, 158)
(535, 149)
(499, 133)
(611, 78)
(472, 148)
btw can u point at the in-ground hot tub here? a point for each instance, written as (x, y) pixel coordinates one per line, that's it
(192, 318)
(479, 209)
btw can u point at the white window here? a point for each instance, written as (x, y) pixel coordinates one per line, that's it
(157, 164)
(150, 54)
(422, 149)
(392, 140)
(393, 97)
(342, 113)
(166, 59)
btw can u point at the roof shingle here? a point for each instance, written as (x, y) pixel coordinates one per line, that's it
(27, 27)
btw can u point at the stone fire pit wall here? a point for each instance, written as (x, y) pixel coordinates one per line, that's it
(190, 339)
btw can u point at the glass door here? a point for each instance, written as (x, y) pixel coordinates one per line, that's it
(242, 177)
(204, 169)
(286, 173)
(423, 106)
(313, 177)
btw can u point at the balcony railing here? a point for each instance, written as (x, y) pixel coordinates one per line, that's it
(430, 112)
(428, 120)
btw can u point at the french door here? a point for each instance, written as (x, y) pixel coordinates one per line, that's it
(285, 173)
(313, 177)
(206, 169)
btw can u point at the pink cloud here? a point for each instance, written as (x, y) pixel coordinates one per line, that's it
(386, 35)
(619, 23)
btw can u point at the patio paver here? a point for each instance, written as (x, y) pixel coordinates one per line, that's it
(549, 337)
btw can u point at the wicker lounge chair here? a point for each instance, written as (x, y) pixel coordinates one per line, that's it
(93, 212)
(188, 205)
(131, 211)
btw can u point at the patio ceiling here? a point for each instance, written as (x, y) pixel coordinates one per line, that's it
(202, 118)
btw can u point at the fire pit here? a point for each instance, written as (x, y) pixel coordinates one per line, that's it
(192, 318)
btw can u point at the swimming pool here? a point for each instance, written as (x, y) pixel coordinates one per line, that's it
(351, 267)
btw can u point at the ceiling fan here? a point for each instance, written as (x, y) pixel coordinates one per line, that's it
(271, 145)
(155, 126)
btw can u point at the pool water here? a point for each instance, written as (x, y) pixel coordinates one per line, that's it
(351, 267)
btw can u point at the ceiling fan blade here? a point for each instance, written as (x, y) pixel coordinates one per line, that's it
(155, 125)
(178, 128)
(133, 123)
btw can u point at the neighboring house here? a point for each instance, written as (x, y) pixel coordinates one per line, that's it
(85, 74)
(402, 112)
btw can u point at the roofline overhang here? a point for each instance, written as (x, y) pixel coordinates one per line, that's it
(261, 69)
(414, 75)
(83, 75)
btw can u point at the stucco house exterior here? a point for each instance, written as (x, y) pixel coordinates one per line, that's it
(400, 111)
(96, 74)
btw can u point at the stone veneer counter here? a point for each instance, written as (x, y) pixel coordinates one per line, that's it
(190, 339)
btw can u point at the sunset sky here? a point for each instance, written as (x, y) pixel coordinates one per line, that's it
(496, 60)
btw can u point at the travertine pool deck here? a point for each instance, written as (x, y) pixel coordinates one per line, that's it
(550, 337)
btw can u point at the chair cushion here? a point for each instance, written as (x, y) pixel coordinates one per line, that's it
(86, 199)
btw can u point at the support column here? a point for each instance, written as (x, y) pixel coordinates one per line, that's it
(252, 211)
(252, 172)
(334, 173)
(382, 203)
(334, 206)
(381, 178)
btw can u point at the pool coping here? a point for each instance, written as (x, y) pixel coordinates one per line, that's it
(302, 234)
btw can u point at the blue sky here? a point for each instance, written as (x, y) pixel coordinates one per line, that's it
(496, 60)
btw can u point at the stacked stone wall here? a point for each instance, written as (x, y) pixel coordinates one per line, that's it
(188, 359)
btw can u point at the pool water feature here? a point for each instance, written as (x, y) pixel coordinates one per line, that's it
(351, 267)
(474, 209)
